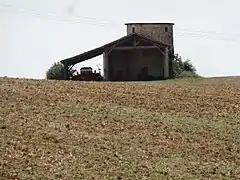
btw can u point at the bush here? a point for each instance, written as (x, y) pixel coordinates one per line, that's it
(188, 66)
(56, 72)
(188, 74)
(183, 69)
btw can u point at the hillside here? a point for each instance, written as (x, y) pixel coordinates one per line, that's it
(185, 129)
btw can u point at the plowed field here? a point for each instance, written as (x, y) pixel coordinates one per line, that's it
(183, 129)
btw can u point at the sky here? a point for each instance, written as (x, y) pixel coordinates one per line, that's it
(34, 34)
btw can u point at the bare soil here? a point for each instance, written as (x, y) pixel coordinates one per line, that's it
(181, 129)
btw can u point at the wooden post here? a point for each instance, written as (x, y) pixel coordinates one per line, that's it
(105, 66)
(66, 76)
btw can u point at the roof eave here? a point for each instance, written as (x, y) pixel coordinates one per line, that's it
(98, 51)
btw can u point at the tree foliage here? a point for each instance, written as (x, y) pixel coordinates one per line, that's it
(182, 68)
(56, 72)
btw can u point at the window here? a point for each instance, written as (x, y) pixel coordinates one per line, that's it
(133, 30)
(166, 29)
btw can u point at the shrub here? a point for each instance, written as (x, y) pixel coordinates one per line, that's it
(56, 72)
(188, 74)
(183, 69)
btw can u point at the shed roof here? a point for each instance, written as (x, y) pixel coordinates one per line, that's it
(99, 50)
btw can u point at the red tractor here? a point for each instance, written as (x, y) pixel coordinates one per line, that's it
(86, 74)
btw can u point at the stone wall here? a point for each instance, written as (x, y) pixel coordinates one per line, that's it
(162, 32)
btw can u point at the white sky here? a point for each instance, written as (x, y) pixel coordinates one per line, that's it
(30, 43)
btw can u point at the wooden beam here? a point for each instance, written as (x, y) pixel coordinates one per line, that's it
(112, 47)
(135, 41)
(134, 47)
(70, 67)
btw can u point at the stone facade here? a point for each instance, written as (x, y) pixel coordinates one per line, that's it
(162, 32)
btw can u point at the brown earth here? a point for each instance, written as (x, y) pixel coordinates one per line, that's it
(181, 129)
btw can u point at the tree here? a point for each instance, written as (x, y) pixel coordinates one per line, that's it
(56, 72)
(183, 68)
(188, 66)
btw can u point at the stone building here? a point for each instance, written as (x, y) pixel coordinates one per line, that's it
(162, 32)
(143, 54)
